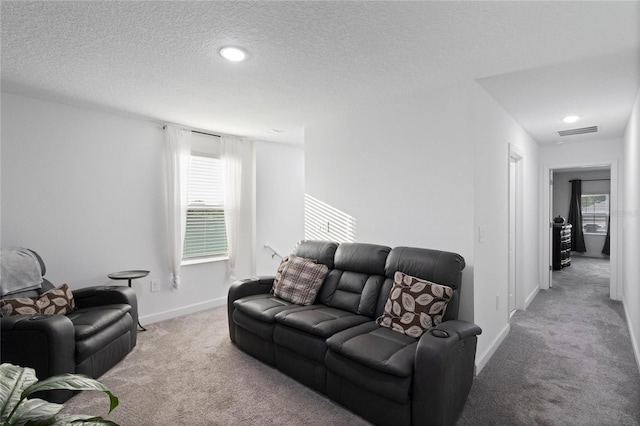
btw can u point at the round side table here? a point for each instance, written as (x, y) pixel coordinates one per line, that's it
(130, 275)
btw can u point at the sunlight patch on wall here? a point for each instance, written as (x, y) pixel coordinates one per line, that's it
(324, 222)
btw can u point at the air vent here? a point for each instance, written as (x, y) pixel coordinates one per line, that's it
(580, 131)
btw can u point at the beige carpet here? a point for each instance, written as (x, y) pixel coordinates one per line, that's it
(567, 361)
(186, 371)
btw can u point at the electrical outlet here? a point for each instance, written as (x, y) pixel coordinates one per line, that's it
(155, 285)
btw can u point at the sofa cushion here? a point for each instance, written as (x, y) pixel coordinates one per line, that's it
(320, 251)
(380, 349)
(263, 307)
(354, 284)
(299, 280)
(389, 386)
(437, 266)
(55, 301)
(319, 320)
(414, 305)
(368, 259)
(92, 320)
(106, 346)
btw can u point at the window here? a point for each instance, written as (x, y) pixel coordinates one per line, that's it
(595, 213)
(205, 234)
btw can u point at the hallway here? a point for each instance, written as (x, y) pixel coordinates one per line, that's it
(567, 360)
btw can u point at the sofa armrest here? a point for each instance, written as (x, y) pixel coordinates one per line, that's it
(45, 343)
(443, 372)
(244, 288)
(110, 295)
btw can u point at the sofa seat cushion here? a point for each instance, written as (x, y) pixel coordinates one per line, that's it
(343, 372)
(92, 320)
(105, 347)
(263, 307)
(320, 320)
(375, 347)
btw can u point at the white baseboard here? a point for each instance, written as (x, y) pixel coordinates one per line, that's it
(484, 358)
(183, 310)
(632, 332)
(530, 297)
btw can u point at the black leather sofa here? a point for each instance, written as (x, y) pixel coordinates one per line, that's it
(335, 346)
(89, 340)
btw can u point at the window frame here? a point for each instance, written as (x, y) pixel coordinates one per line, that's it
(190, 206)
(595, 216)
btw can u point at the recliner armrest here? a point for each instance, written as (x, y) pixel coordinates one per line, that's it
(244, 288)
(45, 343)
(443, 371)
(104, 295)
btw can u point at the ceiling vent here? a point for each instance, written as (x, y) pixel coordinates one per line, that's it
(580, 131)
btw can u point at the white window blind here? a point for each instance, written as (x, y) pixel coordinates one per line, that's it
(206, 232)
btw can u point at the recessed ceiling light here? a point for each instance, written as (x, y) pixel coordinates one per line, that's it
(233, 54)
(571, 118)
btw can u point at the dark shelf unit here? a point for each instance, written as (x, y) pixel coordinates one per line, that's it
(561, 246)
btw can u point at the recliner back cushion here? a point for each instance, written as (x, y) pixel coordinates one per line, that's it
(354, 285)
(320, 251)
(440, 267)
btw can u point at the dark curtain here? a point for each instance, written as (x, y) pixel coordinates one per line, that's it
(575, 217)
(605, 249)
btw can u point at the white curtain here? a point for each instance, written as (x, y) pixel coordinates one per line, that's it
(234, 152)
(178, 152)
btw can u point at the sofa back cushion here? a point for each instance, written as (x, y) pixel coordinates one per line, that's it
(320, 251)
(440, 267)
(354, 285)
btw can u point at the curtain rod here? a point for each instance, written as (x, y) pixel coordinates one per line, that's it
(586, 180)
(199, 132)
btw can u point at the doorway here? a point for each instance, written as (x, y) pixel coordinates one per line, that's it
(515, 229)
(598, 179)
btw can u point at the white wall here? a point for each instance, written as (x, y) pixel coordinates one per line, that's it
(493, 131)
(427, 172)
(562, 196)
(279, 202)
(630, 218)
(85, 188)
(404, 172)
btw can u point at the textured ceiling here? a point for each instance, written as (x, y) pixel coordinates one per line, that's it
(312, 60)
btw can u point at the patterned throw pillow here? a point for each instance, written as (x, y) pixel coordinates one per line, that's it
(278, 277)
(298, 280)
(414, 305)
(55, 301)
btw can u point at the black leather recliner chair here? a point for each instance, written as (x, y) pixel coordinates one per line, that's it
(89, 340)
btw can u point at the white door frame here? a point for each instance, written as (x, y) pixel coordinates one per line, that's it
(516, 156)
(545, 249)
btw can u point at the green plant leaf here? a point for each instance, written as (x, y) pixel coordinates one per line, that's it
(14, 380)
(73, 419)
(74, 382)
(34, 409)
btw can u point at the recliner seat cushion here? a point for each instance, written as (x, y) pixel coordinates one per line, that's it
(263, 307)
(320, 320)
(386, 385)
(118, 331)
(92, 320)
(376, 347)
